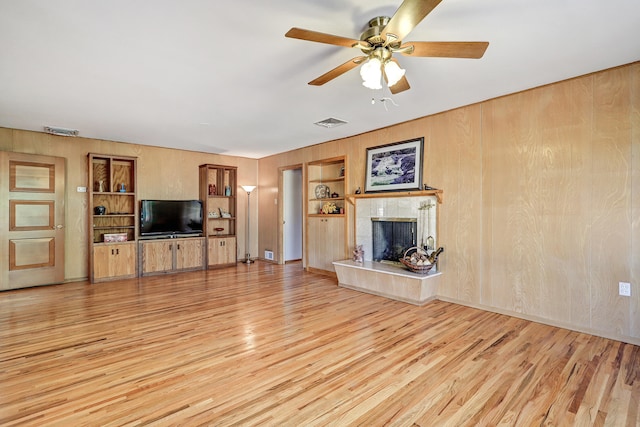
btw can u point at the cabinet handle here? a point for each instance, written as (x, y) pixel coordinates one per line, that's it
(112, 252)
(178, 246)
(117, 251)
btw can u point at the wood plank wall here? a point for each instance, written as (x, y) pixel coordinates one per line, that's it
(162, 174)
(541, 212)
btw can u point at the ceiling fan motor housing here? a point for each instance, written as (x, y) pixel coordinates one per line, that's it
(372, 33)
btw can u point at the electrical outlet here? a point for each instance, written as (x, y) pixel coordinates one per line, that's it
(81, 189)
(624, 289)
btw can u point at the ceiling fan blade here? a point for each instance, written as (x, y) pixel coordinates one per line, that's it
(408, 15)
(401, 85)
(338, 71)
(314, 36)
(474, 50)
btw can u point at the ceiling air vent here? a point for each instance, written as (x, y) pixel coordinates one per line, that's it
(61, 131)
(330, 122)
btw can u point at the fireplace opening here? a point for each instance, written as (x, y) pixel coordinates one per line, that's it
(392, 237)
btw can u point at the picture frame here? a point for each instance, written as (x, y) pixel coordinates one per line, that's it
(395, 167)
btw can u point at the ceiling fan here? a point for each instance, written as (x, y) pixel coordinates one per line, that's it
(384, 37)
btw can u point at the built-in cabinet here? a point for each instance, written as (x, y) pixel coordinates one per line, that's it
(218, 185)
(113, 261)
(113, 217)
(326, 213)
(171, 255)
(221, 251)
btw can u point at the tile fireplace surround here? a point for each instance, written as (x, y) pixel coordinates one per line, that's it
(387, 280)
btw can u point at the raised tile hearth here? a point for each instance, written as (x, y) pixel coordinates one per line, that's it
(388, 281)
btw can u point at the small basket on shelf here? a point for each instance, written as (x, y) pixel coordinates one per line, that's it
(416, 260)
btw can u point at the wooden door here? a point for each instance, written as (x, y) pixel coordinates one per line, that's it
(222, 251)
(326, 242)
(315, 242)
(189, 254)
(334, 242)
(115, 260)
(125, 260)
(157, 256)
(32, 220)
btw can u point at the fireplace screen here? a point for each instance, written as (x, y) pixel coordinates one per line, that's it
(392, 237)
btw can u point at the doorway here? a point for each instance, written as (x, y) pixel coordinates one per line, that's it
(32, 192)
(292, 215)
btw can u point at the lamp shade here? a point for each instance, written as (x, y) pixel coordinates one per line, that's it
(394, 73)
(248, 188)
(371, 73)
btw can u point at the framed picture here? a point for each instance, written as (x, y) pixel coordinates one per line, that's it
(394, 167)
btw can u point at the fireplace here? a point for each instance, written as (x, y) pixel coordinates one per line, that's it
(401, 223)
(421, 209)
(392, 237)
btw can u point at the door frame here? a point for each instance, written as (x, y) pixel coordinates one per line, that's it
(280, 225)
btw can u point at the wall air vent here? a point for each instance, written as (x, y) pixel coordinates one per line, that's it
(330, 122)
(61, 131)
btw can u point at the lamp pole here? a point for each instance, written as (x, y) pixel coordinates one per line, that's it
(248, 189)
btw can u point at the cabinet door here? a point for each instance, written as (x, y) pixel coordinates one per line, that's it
(326, 242)
(334, 242)
(124, 261)
(113, 261)
(157, 256)
(222, 250)
(316, 241)
(189, 254)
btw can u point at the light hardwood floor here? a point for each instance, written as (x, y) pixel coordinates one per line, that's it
(273, 345)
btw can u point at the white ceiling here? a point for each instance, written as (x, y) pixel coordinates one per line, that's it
(220, 77)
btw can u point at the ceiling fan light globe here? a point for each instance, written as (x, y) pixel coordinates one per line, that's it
(371, 73)
(394, 73)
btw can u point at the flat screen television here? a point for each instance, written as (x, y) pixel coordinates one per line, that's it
(170, 218)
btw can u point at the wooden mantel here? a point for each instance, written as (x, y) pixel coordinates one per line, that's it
(351, 198)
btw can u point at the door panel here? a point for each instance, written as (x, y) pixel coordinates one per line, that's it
(189, 254)
(31, 253)
(32, 220)
(25, 215)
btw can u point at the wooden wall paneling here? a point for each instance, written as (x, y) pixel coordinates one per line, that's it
(439, 172)
(485, 210)
(527, 269)
(634, 72)
(611, 207)
(513, 144)
(564, 205)
(464, 239)
(266, 238)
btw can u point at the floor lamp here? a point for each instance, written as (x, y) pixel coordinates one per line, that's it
(248, 189)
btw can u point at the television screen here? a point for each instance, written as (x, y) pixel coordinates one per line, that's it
(170, 217)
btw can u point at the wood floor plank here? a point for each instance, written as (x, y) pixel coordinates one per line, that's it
(274, 345)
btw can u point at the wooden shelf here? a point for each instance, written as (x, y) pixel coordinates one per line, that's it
(322, 181)
(221, 248)
(107, 174)
(327, 215)
(418, 193)
(326, 199)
